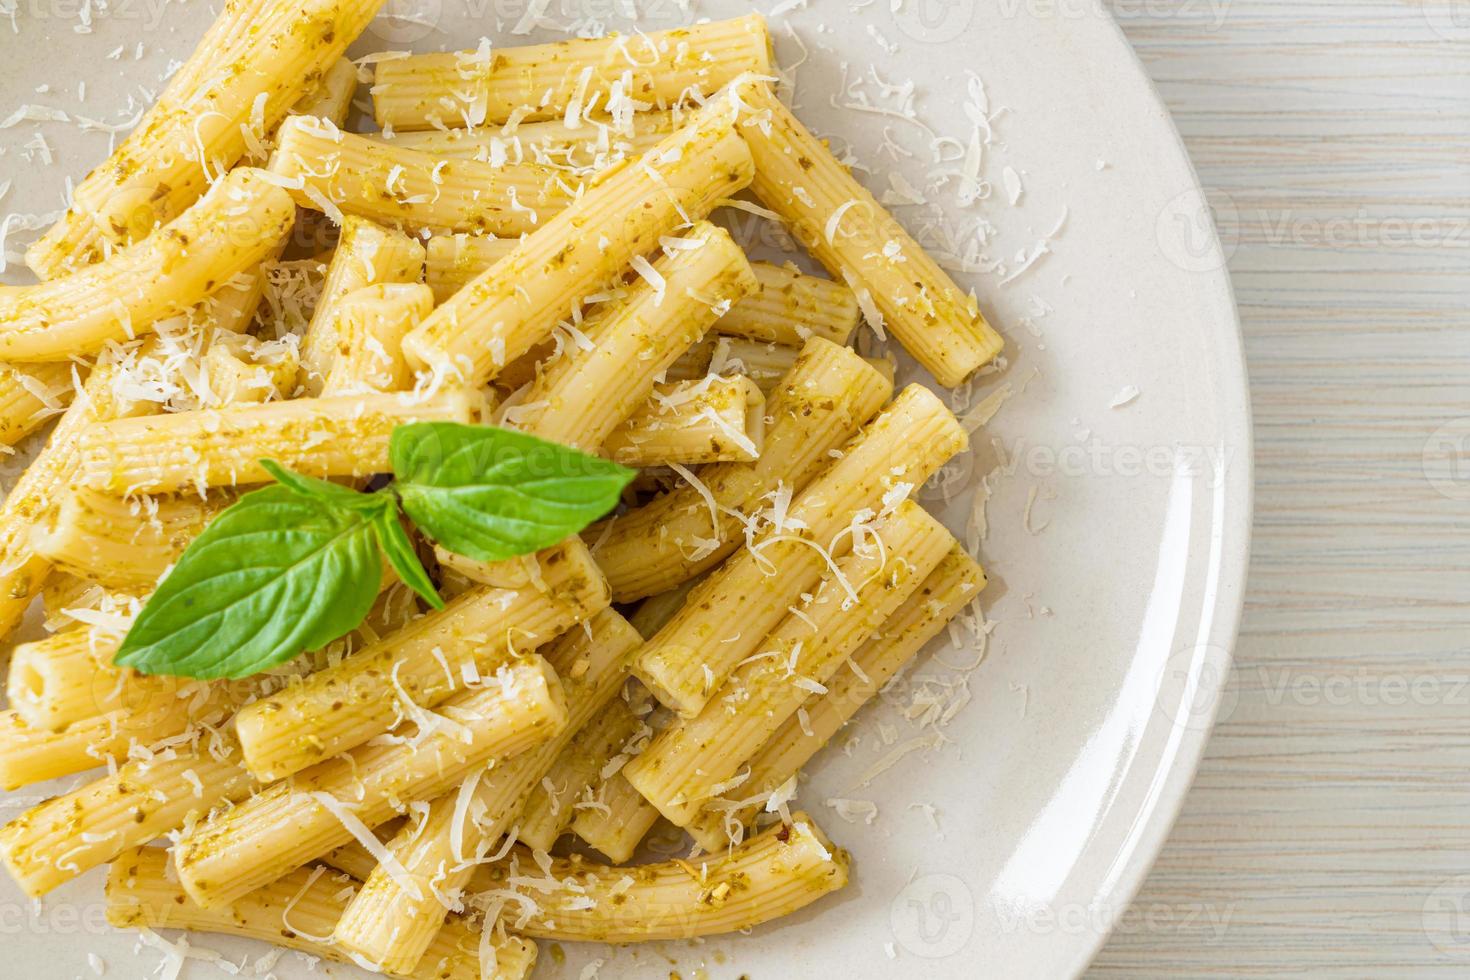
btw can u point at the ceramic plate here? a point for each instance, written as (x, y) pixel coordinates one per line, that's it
(1007, 838)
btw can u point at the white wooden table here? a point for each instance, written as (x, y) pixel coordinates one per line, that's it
(1330, 823)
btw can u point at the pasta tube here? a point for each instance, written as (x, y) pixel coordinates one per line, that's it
(454, 261)
(61, 596)
(367, 254)
(696, 758)
(395, 915)
(859, 242)
(68, 676)
(148, 723)
(728, 615)
(790, 308)
(22, 571)
(515, 303)
(425, 662)
(765, 364)
(121, 543)
(618, 819)
(717, 420)
(549, 810)
(234, 380)
(155, 715)
(785, 308)
(296, 912)
(341, 436)
(257, 59)
(590, 391)
(30, 396)
(232, 307)
(70, 834)
(947, 590)
(781, 870)
(476, 88)
(615, 817)
(357, 860)
(695, 362)
(32, 755)
(521, 572)
(654, 613)
(370, 326)
(336, 172)
(240, 221)
(294, 821)
(593, 144)
(331, 98)
(826, 397)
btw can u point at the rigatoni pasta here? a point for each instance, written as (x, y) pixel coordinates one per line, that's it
(551, 807)
(514, 304)
(829, 393)
(694, 760)
(297, 911)
(22, 570)
(259, 58)
(32, 395)
(608, 372)
(344, 435)
(786, 307)
(294, 821)
(330, 532)
(69, 676)
(369, 326)
(342, 173)
(428, 660)
(717, 420)
(790, 308)
(763, 363)
(122, 543)
(592, 143)
(331, 97)
(952, 586)
(774, 874)
(845, 227)
(727, 616)
(366, 254)
(476, 88)
(32, 755)
(401, 905)
(229, 230)
(90, 826)
(616, 819)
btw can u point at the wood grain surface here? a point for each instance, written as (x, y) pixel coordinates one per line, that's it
(1328, 832)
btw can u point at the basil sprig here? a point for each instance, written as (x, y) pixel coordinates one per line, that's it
(297, 564)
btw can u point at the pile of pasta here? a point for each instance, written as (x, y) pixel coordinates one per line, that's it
(524, 240)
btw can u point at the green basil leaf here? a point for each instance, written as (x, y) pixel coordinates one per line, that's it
(325, 490)
(277, 573)
(394, 541)
(492, 494)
